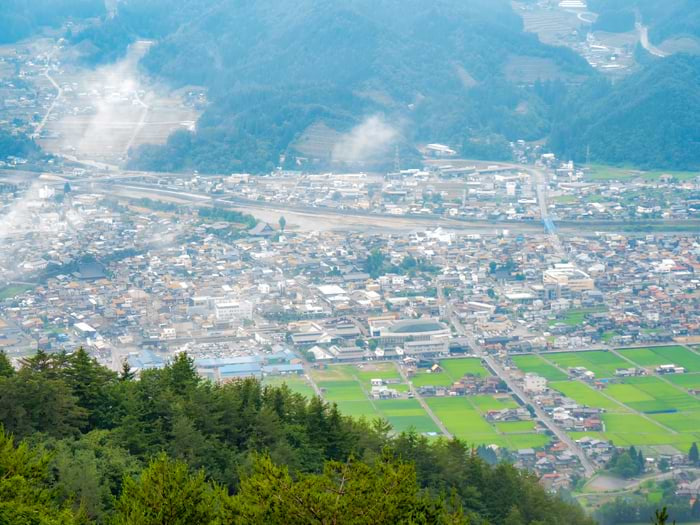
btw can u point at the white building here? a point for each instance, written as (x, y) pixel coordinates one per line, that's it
(227, 310)
(535, 384)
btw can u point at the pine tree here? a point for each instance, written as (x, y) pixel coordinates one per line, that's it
(693, 454)
(25, 495)
(661, 517)
(182, 373)
(6, 368)
(126, 373)
(166, 493)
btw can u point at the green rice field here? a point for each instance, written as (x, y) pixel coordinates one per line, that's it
(536, 365)
(651, 394)
(295, 383)
(600, 362)
(465, 418)
(404, 414)
(587, 396)
(663, 355)
(458, 368)
(687, 381)
(453, 370)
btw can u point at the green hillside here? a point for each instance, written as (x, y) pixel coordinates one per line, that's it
(648, 120)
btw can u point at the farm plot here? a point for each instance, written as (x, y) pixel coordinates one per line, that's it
(687, 381)
(680, 421)
(585, 395)
(663, 355)
(600, 362)
(458, 368)
(486, 403)
(626, 430)
(465, 417)
(296, 384)
(453, 370)
(652, 395)
(404, 414)
(464, 421)
(536, 365)
(516, 427)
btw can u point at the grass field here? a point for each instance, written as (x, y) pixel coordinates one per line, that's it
(663, 355)
(585, 395)
(465, 418)
(600, 362)
(377, 371)
(13, 291)
(577, 317)
(536, 365)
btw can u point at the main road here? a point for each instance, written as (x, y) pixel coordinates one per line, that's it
(503, 374)
(59, 94)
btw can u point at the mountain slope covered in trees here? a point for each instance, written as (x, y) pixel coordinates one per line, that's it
(92, 446)
(649, 120)
(435, 71)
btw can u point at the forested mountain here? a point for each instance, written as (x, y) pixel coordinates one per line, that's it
(649, 120)
(445, 70)
(21, 18)
(93, 446)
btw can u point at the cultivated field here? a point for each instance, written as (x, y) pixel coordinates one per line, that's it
(600, 362)
(465, 417)
(663, 355)
(295, 383)
(536, 365)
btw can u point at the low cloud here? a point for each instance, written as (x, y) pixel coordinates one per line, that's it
(368, 141)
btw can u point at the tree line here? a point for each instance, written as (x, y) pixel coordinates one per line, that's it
(82, 444)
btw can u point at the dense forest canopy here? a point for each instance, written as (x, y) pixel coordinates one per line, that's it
(649, 120)
(93, 446)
